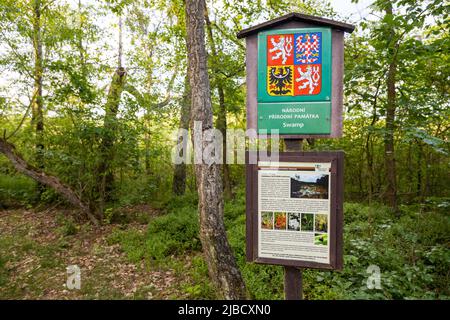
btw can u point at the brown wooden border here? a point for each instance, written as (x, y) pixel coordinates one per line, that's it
(336, 211)
(337, 76)
(295, 16)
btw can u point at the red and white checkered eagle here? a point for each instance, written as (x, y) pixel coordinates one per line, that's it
(307, 48)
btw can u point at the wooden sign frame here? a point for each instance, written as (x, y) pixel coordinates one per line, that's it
(336, 158)
(296, 21)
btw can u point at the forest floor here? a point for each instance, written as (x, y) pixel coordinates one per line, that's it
(144, 253)
(37, 247)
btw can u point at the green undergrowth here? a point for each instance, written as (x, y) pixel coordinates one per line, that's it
(411, 252)
(16, 190)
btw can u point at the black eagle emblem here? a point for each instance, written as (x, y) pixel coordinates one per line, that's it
(280, 80)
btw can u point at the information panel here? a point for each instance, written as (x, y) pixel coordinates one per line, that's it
(294, 210)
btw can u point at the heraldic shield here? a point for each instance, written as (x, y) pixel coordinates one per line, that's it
(294, 64)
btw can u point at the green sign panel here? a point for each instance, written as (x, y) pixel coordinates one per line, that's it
(295, 117)
(294, 73)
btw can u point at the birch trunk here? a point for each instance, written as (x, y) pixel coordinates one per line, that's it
(222, 266)
(37, 119)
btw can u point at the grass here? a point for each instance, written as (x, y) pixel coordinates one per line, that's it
(16, 190)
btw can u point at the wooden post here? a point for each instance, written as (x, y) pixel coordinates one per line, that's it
(293, 279)
(293, 145)
(293, 283)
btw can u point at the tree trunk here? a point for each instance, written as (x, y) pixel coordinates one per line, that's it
(419, 188)
(221, 122)
(222, 126)
(45, 179)
(147, 141)
(391, 175)
(222, 266)
(369, 145)
(369, 158)
(179, 175)
(38, 104)
(81, 50)
(104, 170)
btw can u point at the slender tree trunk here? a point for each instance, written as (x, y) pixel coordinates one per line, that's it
(391, 175)
(222, 126)
(147, 137)
(38, 104)
(409, 166)
(104, 170)
(179, 176)
(221, 122)
(369, 158)
(222, 266)
(81, 50)
(43, 178)
(419, 188)
(120, 54)
(369, 145)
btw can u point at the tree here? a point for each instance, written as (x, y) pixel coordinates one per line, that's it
(179, 174)
(38, 103)
(395, 90)
(391, 173)
(21, 165)
(104, 170)
(221, 122)
(222, 266)
(106, 150)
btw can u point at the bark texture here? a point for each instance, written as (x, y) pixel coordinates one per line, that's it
(179, 175)
(37, 119)
(104, 170)
(43, 178)
(222, 266)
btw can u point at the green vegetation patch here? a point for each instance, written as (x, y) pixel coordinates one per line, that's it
(171, 234)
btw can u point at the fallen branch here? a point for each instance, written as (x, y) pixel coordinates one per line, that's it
(9, 150)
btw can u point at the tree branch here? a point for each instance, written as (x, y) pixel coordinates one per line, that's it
(9, 150)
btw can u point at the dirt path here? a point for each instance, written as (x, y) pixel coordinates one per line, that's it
(37, 247)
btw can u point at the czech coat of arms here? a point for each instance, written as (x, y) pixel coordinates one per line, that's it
(294, 64)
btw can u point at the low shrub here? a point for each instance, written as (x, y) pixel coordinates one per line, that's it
(173, 233)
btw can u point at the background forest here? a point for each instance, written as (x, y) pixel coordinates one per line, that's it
(92, 92)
